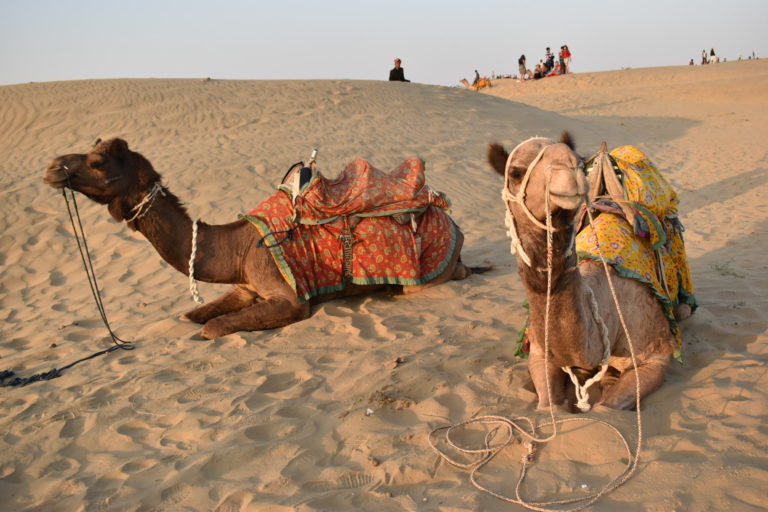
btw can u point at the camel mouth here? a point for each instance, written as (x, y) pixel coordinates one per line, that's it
(56, 177)
(567, 202)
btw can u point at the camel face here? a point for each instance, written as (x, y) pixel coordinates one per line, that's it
(558, 167)
(108, 170)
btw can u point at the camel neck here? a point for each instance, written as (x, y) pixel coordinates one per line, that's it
(573, 337)
(167, 226)
(571, 332)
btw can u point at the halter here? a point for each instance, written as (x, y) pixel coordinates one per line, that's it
(519, 198)
(143, 207)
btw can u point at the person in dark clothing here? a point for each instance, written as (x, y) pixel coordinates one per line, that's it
(397, 74)
(477, 78)
(549, 62)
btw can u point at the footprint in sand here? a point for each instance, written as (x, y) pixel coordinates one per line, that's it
(235, 502)
(289, 385)
(175, 494)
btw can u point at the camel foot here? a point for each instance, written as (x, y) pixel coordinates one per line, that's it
(460, 272)
(211, 331)
(682, 311)
(195, 316)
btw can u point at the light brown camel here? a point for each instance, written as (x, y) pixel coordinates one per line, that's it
(574, 335)
(261, 298)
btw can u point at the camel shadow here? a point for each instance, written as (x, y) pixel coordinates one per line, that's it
(625, 129)
(723, 190)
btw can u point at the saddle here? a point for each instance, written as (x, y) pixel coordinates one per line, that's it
(365, 226)
(637, 228)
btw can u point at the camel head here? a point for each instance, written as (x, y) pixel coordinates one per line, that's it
(109, 173)
(555, 164)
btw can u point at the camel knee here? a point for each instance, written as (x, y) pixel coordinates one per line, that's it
(624, 393)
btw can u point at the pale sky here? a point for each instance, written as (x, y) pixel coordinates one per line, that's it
(439, 41)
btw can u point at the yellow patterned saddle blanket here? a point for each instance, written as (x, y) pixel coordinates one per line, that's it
(652, 250)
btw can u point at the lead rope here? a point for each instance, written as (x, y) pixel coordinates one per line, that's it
(582, 390)
(489, 451)
(85, 256)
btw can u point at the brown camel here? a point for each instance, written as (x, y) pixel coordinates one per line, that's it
(261, 298)
(574, 335)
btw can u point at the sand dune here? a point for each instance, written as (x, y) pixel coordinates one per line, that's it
(278, 420)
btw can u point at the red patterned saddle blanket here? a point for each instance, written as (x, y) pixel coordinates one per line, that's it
(364, 227)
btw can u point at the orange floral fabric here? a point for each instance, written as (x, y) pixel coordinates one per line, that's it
(306, 237)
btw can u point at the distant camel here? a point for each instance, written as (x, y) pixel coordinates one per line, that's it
(482, 83)
(261, 298)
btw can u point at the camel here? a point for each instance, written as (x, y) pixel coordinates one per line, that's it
(577, 329)
(482, 83)
(260, 298)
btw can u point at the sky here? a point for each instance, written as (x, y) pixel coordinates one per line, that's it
(439, 42)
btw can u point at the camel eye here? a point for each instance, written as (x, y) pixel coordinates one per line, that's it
(516, 173)
(97, 160)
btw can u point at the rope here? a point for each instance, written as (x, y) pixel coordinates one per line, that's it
(192, 283)
(143, 207)
(88, 265)
(582, 394)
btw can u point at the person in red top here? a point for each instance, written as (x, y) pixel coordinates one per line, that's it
(567, 59)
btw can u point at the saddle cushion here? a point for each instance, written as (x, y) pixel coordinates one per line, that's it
(657, 259)
(306, 237)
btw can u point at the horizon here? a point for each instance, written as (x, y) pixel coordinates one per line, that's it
(45, 41)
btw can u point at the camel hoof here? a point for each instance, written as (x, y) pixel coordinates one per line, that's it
(194, 316)
(209, 333)
(461, 272)
(682, 311)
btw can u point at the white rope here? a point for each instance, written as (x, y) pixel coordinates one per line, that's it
(143, 207)
(582, 390)
(192, 283)
(516, 247)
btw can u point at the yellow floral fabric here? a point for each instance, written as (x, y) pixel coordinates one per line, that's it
(652, 251)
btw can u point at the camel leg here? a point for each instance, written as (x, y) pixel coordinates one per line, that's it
(266, 314)
(235, 299)
(538, 371)
(622, 394)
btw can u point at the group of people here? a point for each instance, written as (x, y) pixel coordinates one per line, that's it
(712, 58)
(548, 66)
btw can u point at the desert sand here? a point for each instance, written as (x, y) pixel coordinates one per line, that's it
(318, 415)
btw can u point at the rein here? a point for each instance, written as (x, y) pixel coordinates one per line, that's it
(88, 265)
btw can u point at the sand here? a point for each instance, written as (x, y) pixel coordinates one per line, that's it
(316, 416)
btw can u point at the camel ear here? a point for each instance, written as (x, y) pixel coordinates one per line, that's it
(117, 148)
(566, 139)
(497, 157)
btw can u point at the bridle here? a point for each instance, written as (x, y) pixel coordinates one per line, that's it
(143, 207)
(519, 198)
